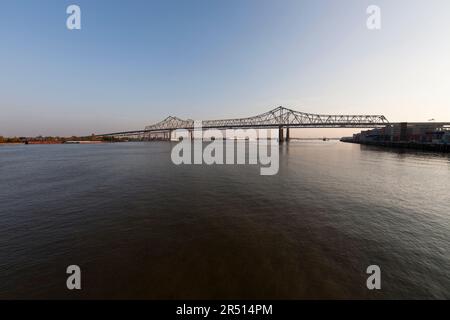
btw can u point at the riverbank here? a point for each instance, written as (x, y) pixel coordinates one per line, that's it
(435, 147)
(8, 141)
(50, 142)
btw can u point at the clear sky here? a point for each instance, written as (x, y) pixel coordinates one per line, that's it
(135, 62)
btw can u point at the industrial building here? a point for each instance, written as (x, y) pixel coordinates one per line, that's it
(422, 133)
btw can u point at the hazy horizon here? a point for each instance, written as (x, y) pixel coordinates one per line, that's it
(135, 63)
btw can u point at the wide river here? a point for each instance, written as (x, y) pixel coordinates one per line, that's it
(139, 226)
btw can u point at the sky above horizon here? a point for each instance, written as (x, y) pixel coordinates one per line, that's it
(133, 63)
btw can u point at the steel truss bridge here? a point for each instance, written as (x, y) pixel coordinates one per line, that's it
(277, 118)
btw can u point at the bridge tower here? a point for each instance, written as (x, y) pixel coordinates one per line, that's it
(280, 134)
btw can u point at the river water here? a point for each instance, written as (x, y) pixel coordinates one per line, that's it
(140, 227)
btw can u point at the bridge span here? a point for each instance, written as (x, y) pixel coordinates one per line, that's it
(281, 118)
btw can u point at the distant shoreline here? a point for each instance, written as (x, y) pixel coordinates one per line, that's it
(49, 143)
(52, 142)
(11, 143)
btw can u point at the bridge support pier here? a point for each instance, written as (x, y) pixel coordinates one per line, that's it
(287, 134)
(280, 134)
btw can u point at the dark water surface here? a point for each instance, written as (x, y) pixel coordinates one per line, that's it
(141, 227)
